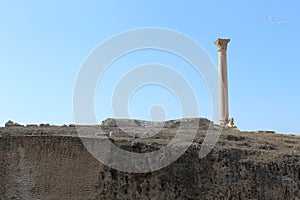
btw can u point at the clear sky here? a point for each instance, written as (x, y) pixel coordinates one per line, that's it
(44, 43)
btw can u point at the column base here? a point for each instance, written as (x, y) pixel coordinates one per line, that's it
(223, 122)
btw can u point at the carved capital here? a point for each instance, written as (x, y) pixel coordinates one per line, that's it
(222, 44)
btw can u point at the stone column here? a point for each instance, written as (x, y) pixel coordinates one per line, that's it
(223, 82)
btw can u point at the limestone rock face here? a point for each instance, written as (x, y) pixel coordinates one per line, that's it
(53, 163)
(201, 123)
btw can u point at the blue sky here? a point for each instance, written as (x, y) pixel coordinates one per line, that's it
(44, 43)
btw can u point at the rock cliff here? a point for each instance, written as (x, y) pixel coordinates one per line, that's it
(51, 162)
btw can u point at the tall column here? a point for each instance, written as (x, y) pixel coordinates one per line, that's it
(223, 81)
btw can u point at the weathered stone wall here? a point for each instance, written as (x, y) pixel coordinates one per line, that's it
(57, 167)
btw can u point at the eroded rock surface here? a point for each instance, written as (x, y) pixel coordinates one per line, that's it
(52, 163)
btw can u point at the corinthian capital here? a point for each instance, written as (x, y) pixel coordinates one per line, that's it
(222, 44)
